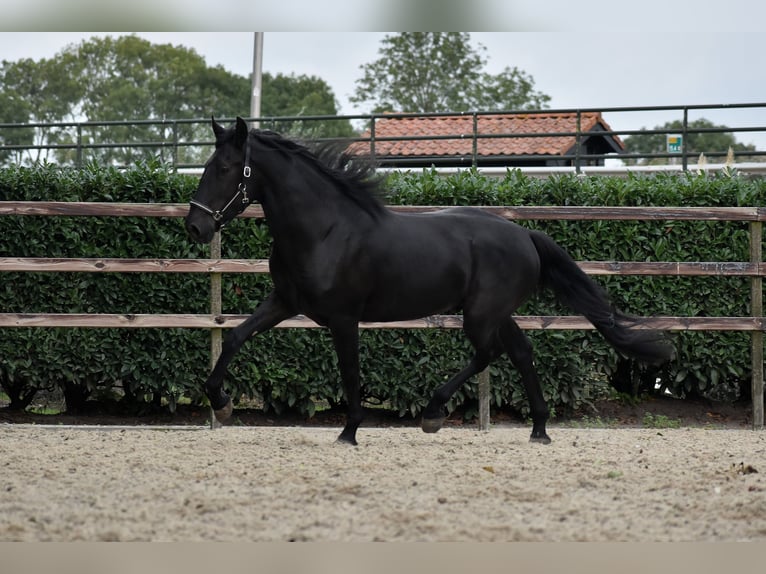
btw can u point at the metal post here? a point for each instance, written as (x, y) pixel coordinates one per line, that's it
(175, 146)
(578, 143)
(216, 308)
(255, 97)
(684, 141)
(372, 137)
(484, 393)
(756, 310)
(78, 153)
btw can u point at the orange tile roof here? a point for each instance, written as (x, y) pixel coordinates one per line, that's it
(461, 127)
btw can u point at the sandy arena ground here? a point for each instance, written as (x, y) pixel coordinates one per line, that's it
(399, 484)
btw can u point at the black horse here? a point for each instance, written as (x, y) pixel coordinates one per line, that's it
(339, 256)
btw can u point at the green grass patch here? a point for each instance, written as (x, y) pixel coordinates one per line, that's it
(660, 421)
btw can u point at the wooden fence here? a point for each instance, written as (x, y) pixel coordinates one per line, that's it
(755, 323)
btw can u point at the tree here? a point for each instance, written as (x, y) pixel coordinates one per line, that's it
(11, 108)
(441, 72)
(715, 142)
(36, 92)
(128, 80)
(120, 80)
(301, 96)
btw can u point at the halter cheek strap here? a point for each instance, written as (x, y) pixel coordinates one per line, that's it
(246, 171)
(218, 215)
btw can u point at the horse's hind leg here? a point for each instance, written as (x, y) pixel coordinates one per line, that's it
(433, 414)
(345, 336)
(487, 347)
(519, 350)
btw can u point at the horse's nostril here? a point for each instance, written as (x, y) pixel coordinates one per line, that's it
(193, 231)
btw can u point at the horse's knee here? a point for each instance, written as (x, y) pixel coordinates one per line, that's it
(232, 341)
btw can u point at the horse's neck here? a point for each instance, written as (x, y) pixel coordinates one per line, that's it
(303, 213)
(302, 205)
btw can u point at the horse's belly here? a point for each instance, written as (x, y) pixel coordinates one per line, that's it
(412, 300)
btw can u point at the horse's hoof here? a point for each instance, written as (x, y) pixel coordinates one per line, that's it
(224, 413)
(432, 425)
(541, 439)
(348, 441)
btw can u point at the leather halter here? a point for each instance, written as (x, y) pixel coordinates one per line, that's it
(245, 200)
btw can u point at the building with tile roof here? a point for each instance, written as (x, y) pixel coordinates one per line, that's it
(489, 139)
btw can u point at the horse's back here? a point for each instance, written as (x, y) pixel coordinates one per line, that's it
(426, 263)
(467, 230)
(504, 259)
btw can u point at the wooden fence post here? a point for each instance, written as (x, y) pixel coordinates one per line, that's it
(484, 394)
(756, 310)
(216, 308)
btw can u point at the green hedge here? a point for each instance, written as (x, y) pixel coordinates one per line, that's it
(296, 369)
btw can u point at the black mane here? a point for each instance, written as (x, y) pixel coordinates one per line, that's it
(354, 176)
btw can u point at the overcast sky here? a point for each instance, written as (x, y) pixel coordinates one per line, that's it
(590, 68)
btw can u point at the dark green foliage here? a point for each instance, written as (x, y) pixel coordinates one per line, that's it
(141, 364)
(295, 370)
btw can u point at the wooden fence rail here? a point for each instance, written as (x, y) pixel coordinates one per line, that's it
(107, 209)
(223, 321)
(107, 265)
(755, 323)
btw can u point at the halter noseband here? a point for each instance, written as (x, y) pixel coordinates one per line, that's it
(218, 215)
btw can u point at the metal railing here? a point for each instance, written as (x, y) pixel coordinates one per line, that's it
(185, 143)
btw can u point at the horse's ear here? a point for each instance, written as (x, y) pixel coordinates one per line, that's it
(218, 129)
(241, 131)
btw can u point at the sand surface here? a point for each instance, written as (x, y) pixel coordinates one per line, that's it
(399, 484)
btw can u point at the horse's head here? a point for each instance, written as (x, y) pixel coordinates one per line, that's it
(223, 191)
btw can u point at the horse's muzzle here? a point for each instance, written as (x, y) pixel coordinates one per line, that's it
(199, 232)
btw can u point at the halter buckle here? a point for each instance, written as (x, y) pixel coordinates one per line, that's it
(242, 188)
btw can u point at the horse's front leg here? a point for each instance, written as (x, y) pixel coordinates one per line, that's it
(345, 336)
(269, 313)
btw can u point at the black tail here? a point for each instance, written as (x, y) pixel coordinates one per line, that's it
(559, 272)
